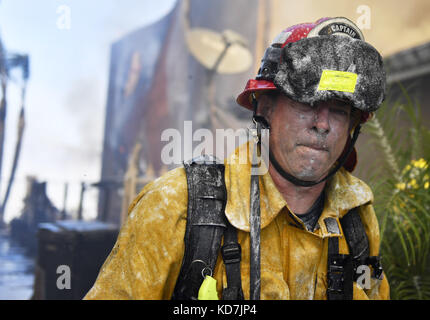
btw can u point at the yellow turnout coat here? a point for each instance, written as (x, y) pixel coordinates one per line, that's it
(146, 259)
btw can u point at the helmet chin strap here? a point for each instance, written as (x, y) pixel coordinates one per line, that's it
(291, 178)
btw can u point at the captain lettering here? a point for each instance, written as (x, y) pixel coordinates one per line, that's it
(342, 28)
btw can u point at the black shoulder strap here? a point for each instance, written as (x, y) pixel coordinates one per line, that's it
(339, 267)
(339, 273)
(206, 224)
(358, 244)
(231, 254)
(342, 268)
(355, 235)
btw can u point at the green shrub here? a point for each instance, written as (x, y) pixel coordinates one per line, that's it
(400, 182)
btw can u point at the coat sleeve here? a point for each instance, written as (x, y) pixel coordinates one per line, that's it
(147, 256)
(379, 289)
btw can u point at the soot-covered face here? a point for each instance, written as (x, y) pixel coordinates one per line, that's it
(307, 140)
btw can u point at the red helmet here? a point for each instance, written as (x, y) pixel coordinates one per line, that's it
(323, 26)
(294, 79)
(291, 34)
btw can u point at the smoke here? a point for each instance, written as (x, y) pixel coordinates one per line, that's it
(85, 108)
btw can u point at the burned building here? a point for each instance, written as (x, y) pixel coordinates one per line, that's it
(175, 70)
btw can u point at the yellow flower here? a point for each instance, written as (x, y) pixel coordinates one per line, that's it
(401, 186)
(426, 185)
(421, 163)
(406, 169)
(413, 184)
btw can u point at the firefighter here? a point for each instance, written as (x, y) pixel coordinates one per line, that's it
(306, 229)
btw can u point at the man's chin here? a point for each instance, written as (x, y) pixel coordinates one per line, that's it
(309, 173)
(306, 176)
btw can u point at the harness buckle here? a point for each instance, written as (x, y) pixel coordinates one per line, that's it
(375, 262)
(335, 279)
(336, 274)
(231, 253)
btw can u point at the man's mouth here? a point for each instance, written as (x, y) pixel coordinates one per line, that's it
(317, 147)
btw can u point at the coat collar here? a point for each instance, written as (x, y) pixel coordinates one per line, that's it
(343, 192)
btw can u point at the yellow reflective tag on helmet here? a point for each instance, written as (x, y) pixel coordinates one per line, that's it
(207, 290)
(338, 80)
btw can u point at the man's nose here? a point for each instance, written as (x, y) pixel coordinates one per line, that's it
(321, 119)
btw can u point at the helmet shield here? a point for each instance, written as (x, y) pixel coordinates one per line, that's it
(326, 67)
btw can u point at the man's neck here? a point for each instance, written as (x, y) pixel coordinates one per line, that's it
(299, 199)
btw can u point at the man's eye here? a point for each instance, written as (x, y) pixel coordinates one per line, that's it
(339, 112)
(305, 107)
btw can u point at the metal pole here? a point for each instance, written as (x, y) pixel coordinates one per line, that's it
(66, 190)
(21, 126)
(3, 107)
(81, 200)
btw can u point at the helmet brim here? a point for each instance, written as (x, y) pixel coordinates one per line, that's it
(254, 86)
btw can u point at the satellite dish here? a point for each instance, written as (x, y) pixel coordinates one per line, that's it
(225, 52)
